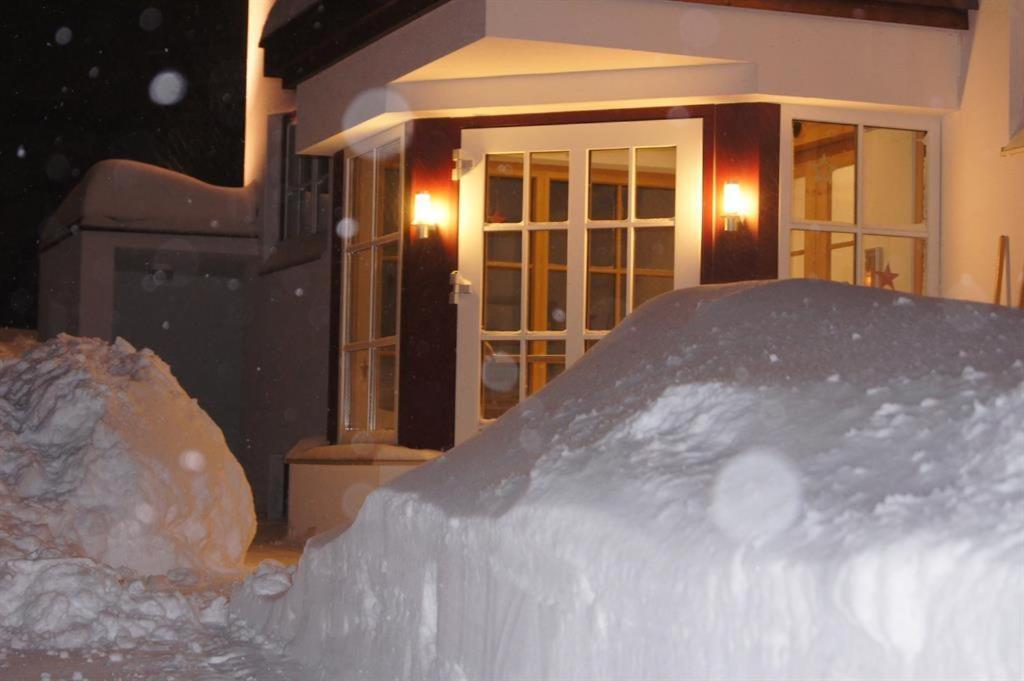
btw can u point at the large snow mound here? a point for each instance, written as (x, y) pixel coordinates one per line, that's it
(115, 460)
(795, 480)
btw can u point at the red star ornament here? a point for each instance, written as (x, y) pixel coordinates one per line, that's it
(886, 278)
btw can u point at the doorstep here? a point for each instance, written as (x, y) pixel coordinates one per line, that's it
(327, 484)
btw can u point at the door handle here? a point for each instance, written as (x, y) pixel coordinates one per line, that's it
(460, 286)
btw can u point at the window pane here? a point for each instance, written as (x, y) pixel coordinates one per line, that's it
(499, 377)
(548, 252)
(389, 189)
(549, 186)
(824, 171)
(359, 296)
(504, 201)
(387, 388)
(362, 198)
(656, 183)
(589, 343)
(606, 277)
(822, 255)
(357, 374)
(292, 178)
(290, 219)
(545, 360)
(387, 289)
(653, 263)
(894, 262)
(323, 216)
(307, 198)
(503, 283)
(609, 184)
(894, 178)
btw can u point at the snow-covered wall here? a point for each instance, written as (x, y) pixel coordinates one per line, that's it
(982, 195)
(119, 194)
(60, 287)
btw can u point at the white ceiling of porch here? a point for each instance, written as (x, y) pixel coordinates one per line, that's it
(493, 56)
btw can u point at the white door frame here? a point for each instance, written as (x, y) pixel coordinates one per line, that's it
(687, 137)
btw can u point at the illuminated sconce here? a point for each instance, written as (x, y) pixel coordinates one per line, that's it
(424, 215)
(732, 207)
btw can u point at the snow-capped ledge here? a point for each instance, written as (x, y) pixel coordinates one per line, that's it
(119, 194)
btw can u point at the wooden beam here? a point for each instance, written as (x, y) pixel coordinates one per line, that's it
(933, 13)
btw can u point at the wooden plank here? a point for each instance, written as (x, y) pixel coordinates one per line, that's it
(934, 13)
(1003, 269)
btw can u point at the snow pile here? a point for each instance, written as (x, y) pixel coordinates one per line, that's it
(784, 481)
(122, 462)
(13, 342)
(108, 471)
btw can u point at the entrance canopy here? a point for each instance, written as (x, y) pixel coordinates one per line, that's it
(488, 57)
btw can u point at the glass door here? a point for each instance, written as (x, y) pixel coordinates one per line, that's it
(564, 230)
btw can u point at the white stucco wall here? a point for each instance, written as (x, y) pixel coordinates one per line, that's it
(983, 191)
(263, 96)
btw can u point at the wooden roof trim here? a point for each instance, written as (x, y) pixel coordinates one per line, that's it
(931, 13)
(331, 30)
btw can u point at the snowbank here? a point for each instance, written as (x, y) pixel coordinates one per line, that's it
(121, 194)
(13, 342)
(117, 461)
(785, 481)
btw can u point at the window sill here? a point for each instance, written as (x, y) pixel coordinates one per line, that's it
(293, 252)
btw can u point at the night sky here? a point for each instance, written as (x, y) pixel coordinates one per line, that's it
(76, 90)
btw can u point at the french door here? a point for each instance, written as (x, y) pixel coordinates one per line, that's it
(563, 231)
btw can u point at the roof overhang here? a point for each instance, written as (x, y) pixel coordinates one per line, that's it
(304, 37)
(491, 57)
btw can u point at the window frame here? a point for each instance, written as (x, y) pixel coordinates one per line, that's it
(931, 125)
(371, 434)
(304, 164)
(277, 253)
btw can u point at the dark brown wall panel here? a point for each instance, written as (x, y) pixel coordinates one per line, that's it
(746, 151)
(426, 389)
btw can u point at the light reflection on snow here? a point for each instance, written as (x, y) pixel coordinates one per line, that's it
(370, 103)
(192, 460)
(150, 19)
(756, 495)
(500, 372)
(347, 228)
(63, 35)
(168, 88)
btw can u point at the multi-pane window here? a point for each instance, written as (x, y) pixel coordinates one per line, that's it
(623, 233)
(372, 265)
(306, 208)
(859, 205)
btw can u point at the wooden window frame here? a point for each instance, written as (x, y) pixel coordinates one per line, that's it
(372, 434)
(862, 119)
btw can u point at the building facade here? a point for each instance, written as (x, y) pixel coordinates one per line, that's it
(454, 200)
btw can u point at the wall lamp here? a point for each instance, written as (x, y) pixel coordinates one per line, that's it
(424, 215)
(732, 207)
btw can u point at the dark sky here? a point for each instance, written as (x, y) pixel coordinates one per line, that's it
(75, 90)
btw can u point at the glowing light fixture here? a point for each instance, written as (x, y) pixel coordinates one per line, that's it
(732, 206)
(424, 215)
